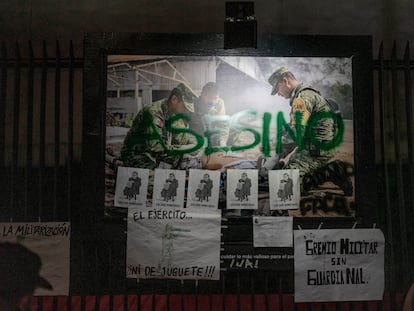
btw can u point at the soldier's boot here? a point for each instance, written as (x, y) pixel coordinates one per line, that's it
(340, 176)
(313, 180)
(336, 171)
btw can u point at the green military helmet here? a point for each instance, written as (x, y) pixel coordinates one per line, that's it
(189, 97)
(275, 77)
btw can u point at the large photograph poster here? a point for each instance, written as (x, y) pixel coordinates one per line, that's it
(239, 126)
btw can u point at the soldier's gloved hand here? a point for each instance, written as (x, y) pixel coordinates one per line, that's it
(271, 162)
(268, 164)
(190, 161)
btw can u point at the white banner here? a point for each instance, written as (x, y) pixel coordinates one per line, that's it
(339, 265)
(173, 243)
(51, 241)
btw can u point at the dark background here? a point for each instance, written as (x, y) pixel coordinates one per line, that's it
(385, 20)
(46, 187)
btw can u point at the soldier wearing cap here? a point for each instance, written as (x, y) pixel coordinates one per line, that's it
(208, 104)
(19, 276)
(148, 138)
(304, 102)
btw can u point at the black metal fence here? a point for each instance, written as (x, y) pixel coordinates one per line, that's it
(394, 133)
(40, 154)
(40, 132)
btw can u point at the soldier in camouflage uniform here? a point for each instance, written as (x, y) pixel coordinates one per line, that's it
(147, 140)
(210, 104)
(307, 101)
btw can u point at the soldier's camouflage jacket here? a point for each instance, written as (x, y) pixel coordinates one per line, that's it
(308, 102)
(140, 149)
(201, 111)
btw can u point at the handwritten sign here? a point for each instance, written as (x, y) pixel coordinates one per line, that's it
(173, 244)
(339, 265)
(51, 241)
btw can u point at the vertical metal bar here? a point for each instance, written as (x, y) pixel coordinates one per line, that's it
(410, 137)
(57, 130)
(3, 96)
(125, 304)
(111, 302)
(196, 293)
(154, 301)
(70, 130)
(223, 291)
(83, 303)
(54, 303)
(42, 129)
(399, 169)
(280, 293)
(182, 295)
(382, 110)
(16, 114)
(210, 297)
(168, 284)
(266, 291)
(138, 296)
(69, 302)
(410, 119)
(40, 303)
(29, 131)
(238, 290)
(252, 293)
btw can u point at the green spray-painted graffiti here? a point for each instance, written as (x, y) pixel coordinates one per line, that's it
(298, 134)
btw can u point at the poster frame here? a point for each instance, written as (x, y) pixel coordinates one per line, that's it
(97, 46)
